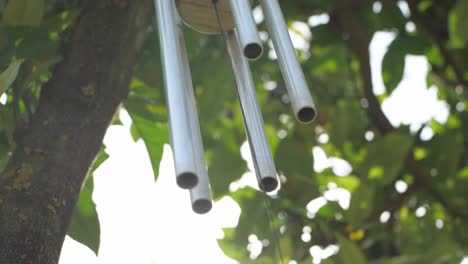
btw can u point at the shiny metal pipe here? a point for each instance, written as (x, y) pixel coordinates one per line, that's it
(200, 195)
(301, 100)
(246, 29)
(253, 121)
(182, 142)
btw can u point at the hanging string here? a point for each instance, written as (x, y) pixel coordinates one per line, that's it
(273, 227)
(267, 204)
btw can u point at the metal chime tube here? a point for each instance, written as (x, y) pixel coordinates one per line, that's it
(296, 84)
(246, 29)
(182, 142)
(253, 121)
(200, 195)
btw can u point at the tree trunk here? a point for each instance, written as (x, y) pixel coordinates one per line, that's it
(41, 184)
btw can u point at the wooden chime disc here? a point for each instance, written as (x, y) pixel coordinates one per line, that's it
(200, 15)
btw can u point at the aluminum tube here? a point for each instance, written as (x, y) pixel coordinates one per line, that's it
(246, 29)
(200, 195)
(253, 121)
(174, 84)
(301, 100)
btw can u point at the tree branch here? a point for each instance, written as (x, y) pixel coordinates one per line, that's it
(41, 184)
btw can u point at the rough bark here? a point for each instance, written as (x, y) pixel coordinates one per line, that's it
(41, 184)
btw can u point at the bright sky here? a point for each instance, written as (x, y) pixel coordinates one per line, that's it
(146, 222)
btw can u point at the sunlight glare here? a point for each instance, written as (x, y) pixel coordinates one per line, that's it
(404, 8)
(3, 99)
(323, 138)
(401, 186)
(377, 48)
(439, 224)
(385, 216)
(421, 211)
(377, 7)
(73, 252)
(317, 20)
(147, 222)
(258, 14)
(340, 167)
(340, 195)
(318, 253)
(314, 206)
(412, 103)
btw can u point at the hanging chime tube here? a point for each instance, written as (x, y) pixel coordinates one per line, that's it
(174, 82)
(200, 195)
(246, 28)
(293, 75)
(253, 121)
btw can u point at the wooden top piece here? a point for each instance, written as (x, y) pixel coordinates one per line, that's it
(200, 15)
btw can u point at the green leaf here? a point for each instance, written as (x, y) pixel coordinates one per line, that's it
(149, 116)
(406, 259)
(24, 12)
(385, 157)
(323, 35)
(31, 73)
(84, 225)
(450, 144)
(155, 135)
(229, 247)
(390, 17)
(329, 210)
(361, 205)
(8, 76)
(457, 24)
(101, 157)
(349, 182)
(224, 167)
(253, 220)
(348, 123)
(394, 59)
(295, 160)
(463, 173)
(30, 43)
(393, 67)
(349, 252)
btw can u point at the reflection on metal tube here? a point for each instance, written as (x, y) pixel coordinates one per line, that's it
(246, 28)
(253, 121)
(298, 90)
(200, 195)
(174, 83)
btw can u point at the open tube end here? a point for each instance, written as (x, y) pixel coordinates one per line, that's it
(202, 206)
(253, 51)
(306, 114)
(269, 184)
(187, 180)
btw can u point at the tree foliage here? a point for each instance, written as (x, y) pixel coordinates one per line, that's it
(337, 66)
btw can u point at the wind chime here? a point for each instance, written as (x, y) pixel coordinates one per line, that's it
(233, 19)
